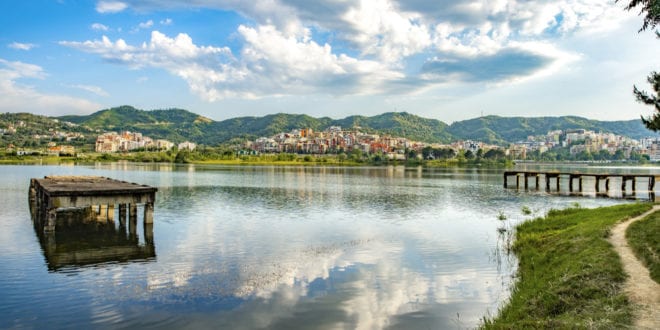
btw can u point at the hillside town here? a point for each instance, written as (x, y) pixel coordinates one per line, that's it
(577, 143)
(337, 140)
(130, 141)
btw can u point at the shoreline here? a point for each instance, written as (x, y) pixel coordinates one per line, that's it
(569, 275)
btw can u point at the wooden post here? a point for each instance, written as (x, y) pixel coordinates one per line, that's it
(517, 180)
(506, 176)
(597, 186)
(537, 181)
(547, 182)
(633, 185)
(570, 183)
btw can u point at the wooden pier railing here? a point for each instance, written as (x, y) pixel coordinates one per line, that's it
(556, 178)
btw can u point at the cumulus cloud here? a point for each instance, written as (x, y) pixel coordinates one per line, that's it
(99, 27)
(270, 64)
(146, 25)
(110, 7)
(363, 47)
(18, 97)
(167, 21)
(21, 46)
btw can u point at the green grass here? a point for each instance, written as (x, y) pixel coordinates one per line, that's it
(644, 238)
(569, 275)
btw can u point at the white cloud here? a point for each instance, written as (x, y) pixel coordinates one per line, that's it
(270, 64)
(110, 7)
(92, 89)
(21, 46)
(99, 27)
(24, 98)
(298, 47)
(146, 25)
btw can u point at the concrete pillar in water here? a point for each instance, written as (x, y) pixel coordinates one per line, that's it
(537, 182)
(132, 220)
(148, 213)
(623, 185)
(111, 212)
(149, 233)
(122, 214)
(103, 212)
(51, 219)
(580, 183)
(132, 212)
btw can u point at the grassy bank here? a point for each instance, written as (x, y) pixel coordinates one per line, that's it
(569, 276)
(644, 238)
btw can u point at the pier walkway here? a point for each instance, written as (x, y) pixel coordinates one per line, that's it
(100, 194)
(553, 179)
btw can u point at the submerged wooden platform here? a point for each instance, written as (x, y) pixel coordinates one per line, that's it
(607, 179)
(53, 193)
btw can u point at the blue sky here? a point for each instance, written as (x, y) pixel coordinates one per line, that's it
(449, 60)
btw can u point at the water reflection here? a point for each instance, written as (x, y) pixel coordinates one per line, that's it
(82, 240)
(272, 247)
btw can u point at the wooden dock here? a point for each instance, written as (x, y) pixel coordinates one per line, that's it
(553, 179)
(100, 194)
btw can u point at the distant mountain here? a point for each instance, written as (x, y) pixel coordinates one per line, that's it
(179, 125)
(172, 124)
(495, 129)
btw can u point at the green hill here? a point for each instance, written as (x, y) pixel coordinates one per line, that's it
(495, 129)
(178, 125)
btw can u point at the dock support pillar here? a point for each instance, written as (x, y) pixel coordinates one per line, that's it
(148, 213)
(132, 212)
(607, 185)
(51, 219)
(537, 182)
(111, 212)
(149, 233)
(103, 213)
(505, 180)
(122, 214)
(597, 186)
(580, 183)
(517, 181)
(623, 185)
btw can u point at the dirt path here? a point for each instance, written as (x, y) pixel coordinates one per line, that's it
(640, 288)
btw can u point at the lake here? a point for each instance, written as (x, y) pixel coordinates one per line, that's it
(272, 247)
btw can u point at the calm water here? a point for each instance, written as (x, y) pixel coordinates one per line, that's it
(271, 247)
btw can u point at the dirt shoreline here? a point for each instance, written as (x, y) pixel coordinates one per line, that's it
(643, 292)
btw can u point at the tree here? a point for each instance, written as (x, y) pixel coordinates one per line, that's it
(652, 10)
